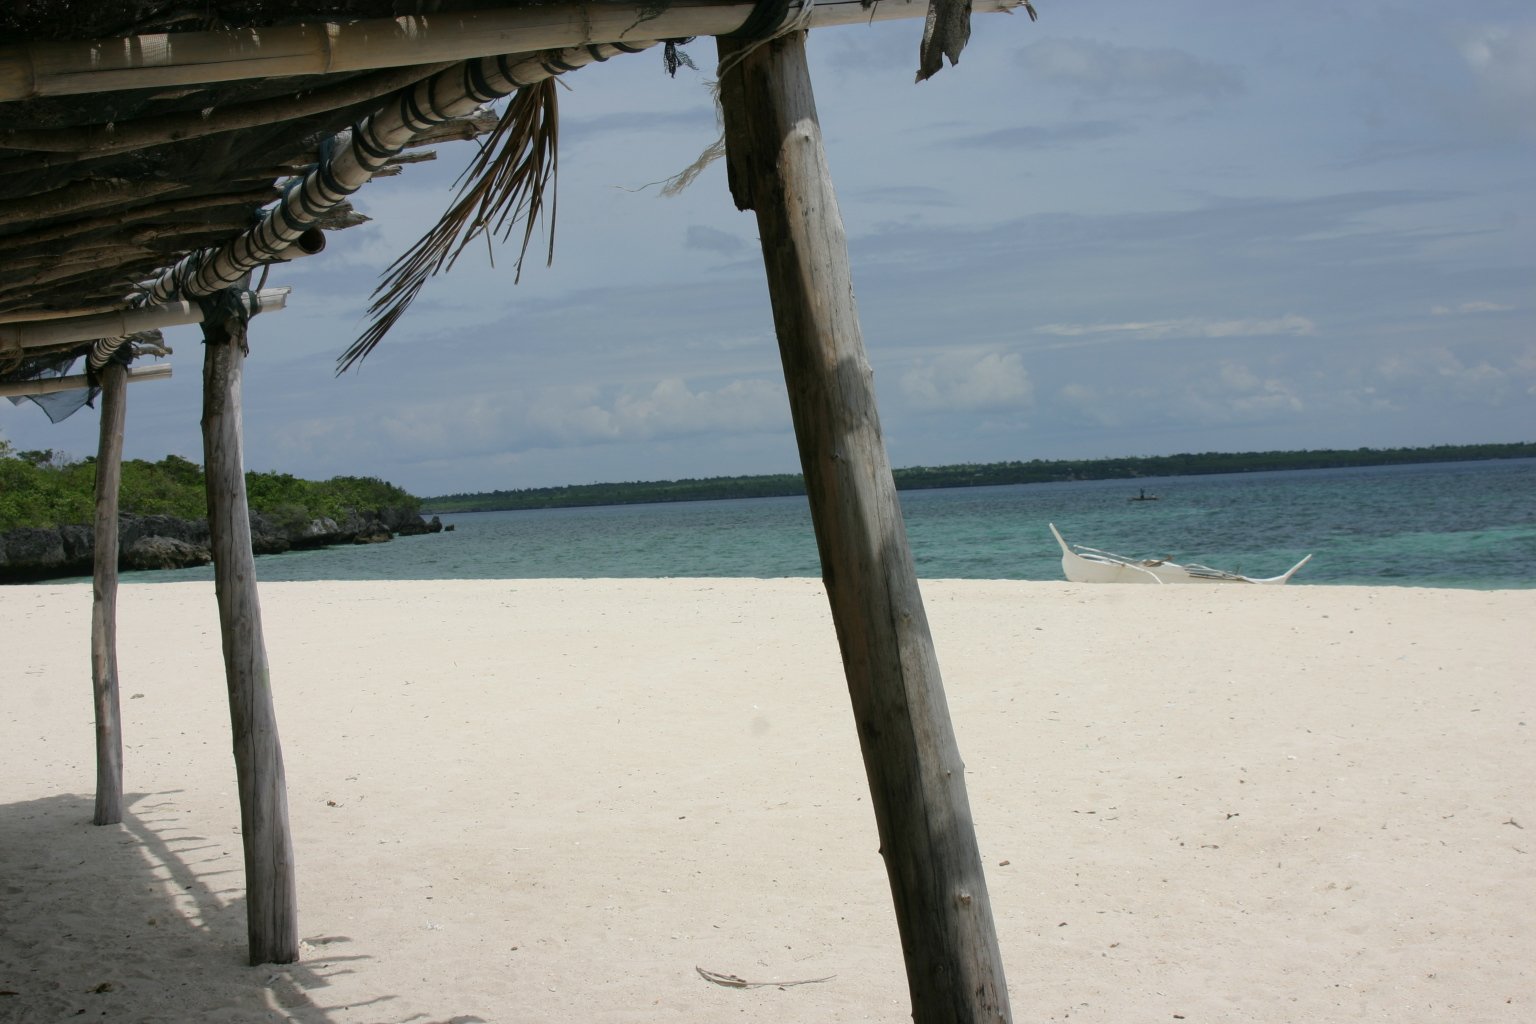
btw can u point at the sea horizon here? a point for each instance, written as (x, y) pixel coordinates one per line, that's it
(1467, 525)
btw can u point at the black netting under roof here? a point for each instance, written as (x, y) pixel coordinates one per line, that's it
(60, 405)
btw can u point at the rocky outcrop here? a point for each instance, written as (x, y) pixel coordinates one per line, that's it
(131, 529)
(33, 553)
(159, 542)
(419, 526)
(162, 553)
(166, 542)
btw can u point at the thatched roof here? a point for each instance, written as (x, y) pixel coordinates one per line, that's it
(103, 187)
(93, 198)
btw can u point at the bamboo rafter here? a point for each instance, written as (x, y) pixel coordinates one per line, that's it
(77, 382)
(101, 140)
(186, 59)
(122, 323)
(446, 95)
(159, 60)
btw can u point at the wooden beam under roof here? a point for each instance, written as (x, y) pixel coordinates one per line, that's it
(158, 60)
(78, 382)
(121, 323)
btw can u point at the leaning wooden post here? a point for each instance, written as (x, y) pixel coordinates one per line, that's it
(778, 168)
(271, 902)
(113, 379)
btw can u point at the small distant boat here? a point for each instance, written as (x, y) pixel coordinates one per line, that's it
(1144, 496)
(1090, 565)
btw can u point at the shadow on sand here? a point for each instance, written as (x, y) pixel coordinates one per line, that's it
(145, 922)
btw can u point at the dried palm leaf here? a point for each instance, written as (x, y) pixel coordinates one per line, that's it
(507, 182)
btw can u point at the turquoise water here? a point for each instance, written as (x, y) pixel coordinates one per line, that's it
(1467, 525)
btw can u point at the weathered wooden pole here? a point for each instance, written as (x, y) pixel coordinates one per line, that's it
(109, 467)
(778, 168)
(271, 901)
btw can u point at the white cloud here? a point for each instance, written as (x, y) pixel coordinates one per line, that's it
(1239, 378)
(1188, 327)
(1504, 60)
(1231, 393)
(1439, 374)
(1238, 393)
(905, 195)
(711, 239)
(518, 420)
(968, 381)
(1470, 307)
(1145, 74)
(1096, 404)
(1046, 136)
(668, 409)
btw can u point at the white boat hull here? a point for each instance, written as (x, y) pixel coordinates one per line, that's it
(1089, 565)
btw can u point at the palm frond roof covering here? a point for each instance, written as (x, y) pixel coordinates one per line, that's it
(106, 183)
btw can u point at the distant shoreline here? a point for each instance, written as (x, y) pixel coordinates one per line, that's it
(993, 474)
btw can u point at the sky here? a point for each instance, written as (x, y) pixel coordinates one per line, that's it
(1129, 228)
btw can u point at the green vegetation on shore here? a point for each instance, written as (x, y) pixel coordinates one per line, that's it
(45, 488)
(971, 475)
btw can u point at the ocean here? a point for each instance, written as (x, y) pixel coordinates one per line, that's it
(1466, 525)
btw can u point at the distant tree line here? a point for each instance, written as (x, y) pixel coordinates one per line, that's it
(47, 488)
(971, 475)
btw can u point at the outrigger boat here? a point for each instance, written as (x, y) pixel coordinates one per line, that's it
(1090, 565)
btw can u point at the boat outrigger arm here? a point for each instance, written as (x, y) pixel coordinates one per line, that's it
(1090, 565)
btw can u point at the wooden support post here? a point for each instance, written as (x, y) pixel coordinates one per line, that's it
(109, 468)
(271, 900)
(778, 168)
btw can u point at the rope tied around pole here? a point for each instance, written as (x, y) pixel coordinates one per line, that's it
(768, 21)
(105, 352)
(765, 19)
(223, 308)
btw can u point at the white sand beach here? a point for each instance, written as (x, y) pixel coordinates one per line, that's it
(553, 800)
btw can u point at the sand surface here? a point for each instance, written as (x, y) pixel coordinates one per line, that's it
(551, 801)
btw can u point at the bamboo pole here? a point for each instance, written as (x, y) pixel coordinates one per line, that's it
(78, 382)
(362, 153)
(160, 60)
(271, 899)
(104, 682)
(777, 167)
(17, 316)
(122, 323)
(118, 137)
